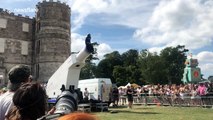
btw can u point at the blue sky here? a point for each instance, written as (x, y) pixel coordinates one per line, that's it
(138, 24)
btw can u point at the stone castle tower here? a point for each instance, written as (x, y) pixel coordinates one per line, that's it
(42, 42)
(52, 38)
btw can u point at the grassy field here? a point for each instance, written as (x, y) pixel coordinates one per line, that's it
(140, 112)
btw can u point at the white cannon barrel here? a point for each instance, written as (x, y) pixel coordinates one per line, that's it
(68, 73)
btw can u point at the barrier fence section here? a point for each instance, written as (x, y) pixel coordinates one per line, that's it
(168, 100)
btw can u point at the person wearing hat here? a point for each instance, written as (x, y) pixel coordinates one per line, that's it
(18, 75)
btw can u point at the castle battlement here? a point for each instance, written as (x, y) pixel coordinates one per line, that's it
(55, 1)
(19, 15)
(5, 11)
(12, 14)
(58, 1)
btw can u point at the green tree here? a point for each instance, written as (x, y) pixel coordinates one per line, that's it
(141, 68)
(152, 67)
(130, 57)
(105, 67)
(129, 71)
(174, 58)
(166, 68)
(119, 73)
(88, 71)
(133, 74)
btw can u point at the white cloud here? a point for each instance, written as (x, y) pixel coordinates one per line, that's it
(83, 8)
(126, 12)
(205, 56)
(103, 49)
(156, 49)
(179, 22)
(77, 42)
(207, 69)
(205, 59)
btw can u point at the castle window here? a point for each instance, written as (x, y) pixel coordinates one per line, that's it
(2, 45)
(38, 47)
(24, 48)
(13, 47)
(25, 27)
(38, 25)
(37, 70)
(3, 23)
(1, 62)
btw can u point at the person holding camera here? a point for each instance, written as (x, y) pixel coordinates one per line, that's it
(30, 102)
(17, 75)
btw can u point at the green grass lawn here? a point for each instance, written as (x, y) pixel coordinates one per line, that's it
(140, 112)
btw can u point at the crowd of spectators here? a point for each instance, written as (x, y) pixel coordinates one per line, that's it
(200, 92)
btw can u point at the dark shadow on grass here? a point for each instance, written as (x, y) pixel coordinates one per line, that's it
(144, 108)
(118, 107)
(125, 107)
(132, 112)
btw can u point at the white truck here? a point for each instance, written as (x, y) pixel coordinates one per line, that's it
(98, 88)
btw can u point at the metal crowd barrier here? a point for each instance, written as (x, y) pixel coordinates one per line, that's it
(166, 100)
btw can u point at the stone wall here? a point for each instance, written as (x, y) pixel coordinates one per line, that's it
(42, 42)
(16, 41)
